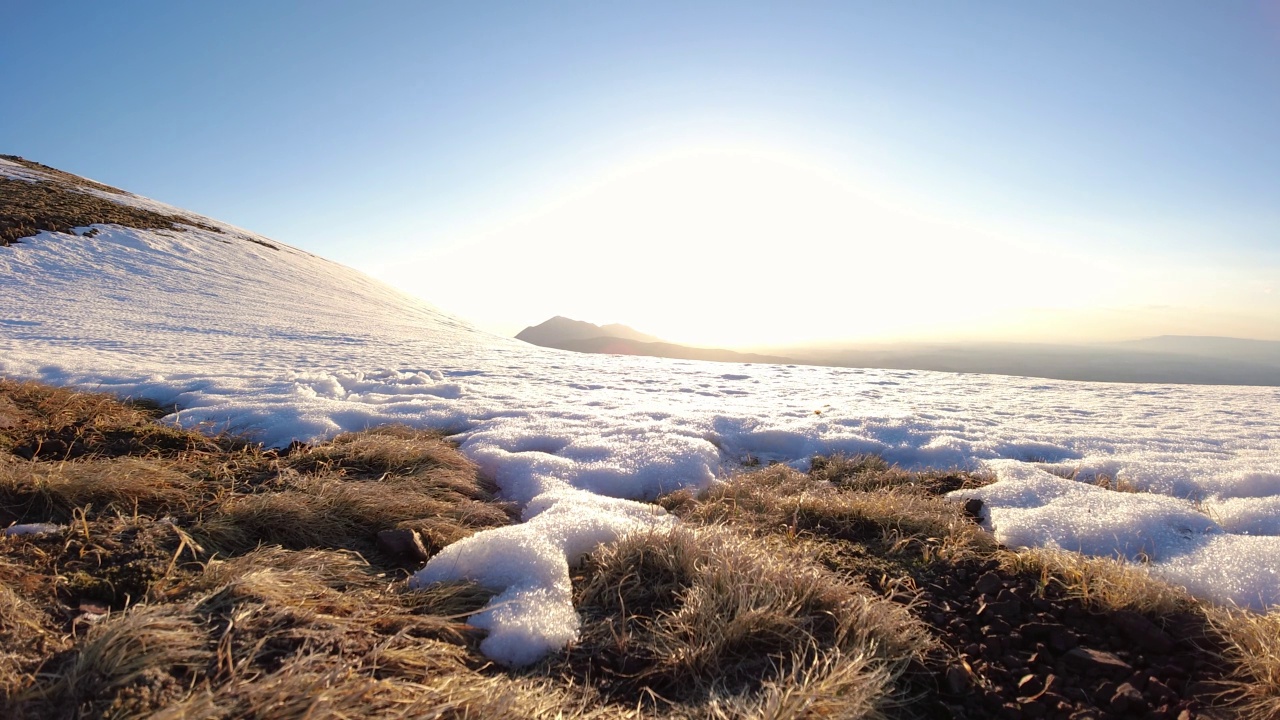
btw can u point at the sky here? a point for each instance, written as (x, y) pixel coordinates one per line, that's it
(735, 174)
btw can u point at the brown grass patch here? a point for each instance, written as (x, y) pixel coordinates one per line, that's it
(871, 472)
(895, 517)
(712, 623)
(1104, 584)
(27, 208)
(1252, 643)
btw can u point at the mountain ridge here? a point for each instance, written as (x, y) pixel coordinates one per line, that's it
(564, 333)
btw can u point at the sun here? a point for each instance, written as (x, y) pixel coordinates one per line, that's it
(743, 248)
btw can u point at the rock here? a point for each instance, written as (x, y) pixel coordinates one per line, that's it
(1034, 709)
(404, 544)
(1039, 630)
(957, 680)
(1097, 661)
(1002, 608)
(988, 583)
(1143, 632)
(997, 628)
(1128, 699)
(93, 607)
(1062, 639)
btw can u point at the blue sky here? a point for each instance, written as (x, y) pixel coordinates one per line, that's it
(1124, 155)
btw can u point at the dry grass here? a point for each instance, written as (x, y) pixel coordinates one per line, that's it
(712, 623)
(894, 517)
(238, 583)
(872, 472)
(1253, 649)
(1102, 583)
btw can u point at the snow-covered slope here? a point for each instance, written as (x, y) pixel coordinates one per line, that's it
(285, 345)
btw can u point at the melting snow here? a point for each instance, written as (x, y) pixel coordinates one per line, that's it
(284, 345)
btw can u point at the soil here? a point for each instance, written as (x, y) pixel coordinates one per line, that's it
(1016, 649)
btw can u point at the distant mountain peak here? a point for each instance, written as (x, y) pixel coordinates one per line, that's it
(560, 329)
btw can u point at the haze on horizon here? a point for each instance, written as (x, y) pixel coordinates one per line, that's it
(716, 174)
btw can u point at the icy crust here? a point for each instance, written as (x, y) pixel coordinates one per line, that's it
(282, 345)
(528, 564)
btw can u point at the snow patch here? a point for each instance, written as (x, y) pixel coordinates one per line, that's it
(529, 564)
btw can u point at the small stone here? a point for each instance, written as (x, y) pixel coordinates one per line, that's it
(1104, 693)
(1034, 709)
(1002, 608)
(957, 679)
(988, 583)
(93, 607)
(1161, 691)
(1128, 699)
(1102, 663)
(1038, 630)
(403, 543)
(1143, 632)
(1062, 639)
(997, 627)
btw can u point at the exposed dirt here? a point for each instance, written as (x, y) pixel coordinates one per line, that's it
(1016, 648)
(61, 204)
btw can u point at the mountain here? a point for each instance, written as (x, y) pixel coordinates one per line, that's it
(566, 334)
(1261, 352)
(1169, 359)
(560, 329)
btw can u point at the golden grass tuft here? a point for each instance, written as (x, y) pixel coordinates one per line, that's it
(1105, 584)
(781, 500)
(27, 632)
(871, 472)
(54, 491)
(334, 512)
(1253, 651)
(390, 449)
(128, 664)
(709, 622)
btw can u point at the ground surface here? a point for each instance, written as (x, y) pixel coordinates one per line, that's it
(202, 577)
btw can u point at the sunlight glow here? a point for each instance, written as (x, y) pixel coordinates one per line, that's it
(749, 248)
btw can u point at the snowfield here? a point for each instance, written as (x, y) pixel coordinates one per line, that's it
(284, 345)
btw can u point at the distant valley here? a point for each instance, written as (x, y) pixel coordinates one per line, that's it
(1164, 359)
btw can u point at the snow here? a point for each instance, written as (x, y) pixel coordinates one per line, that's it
(32, 529)
(10, 170)
(529, 564)
(284, 345)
